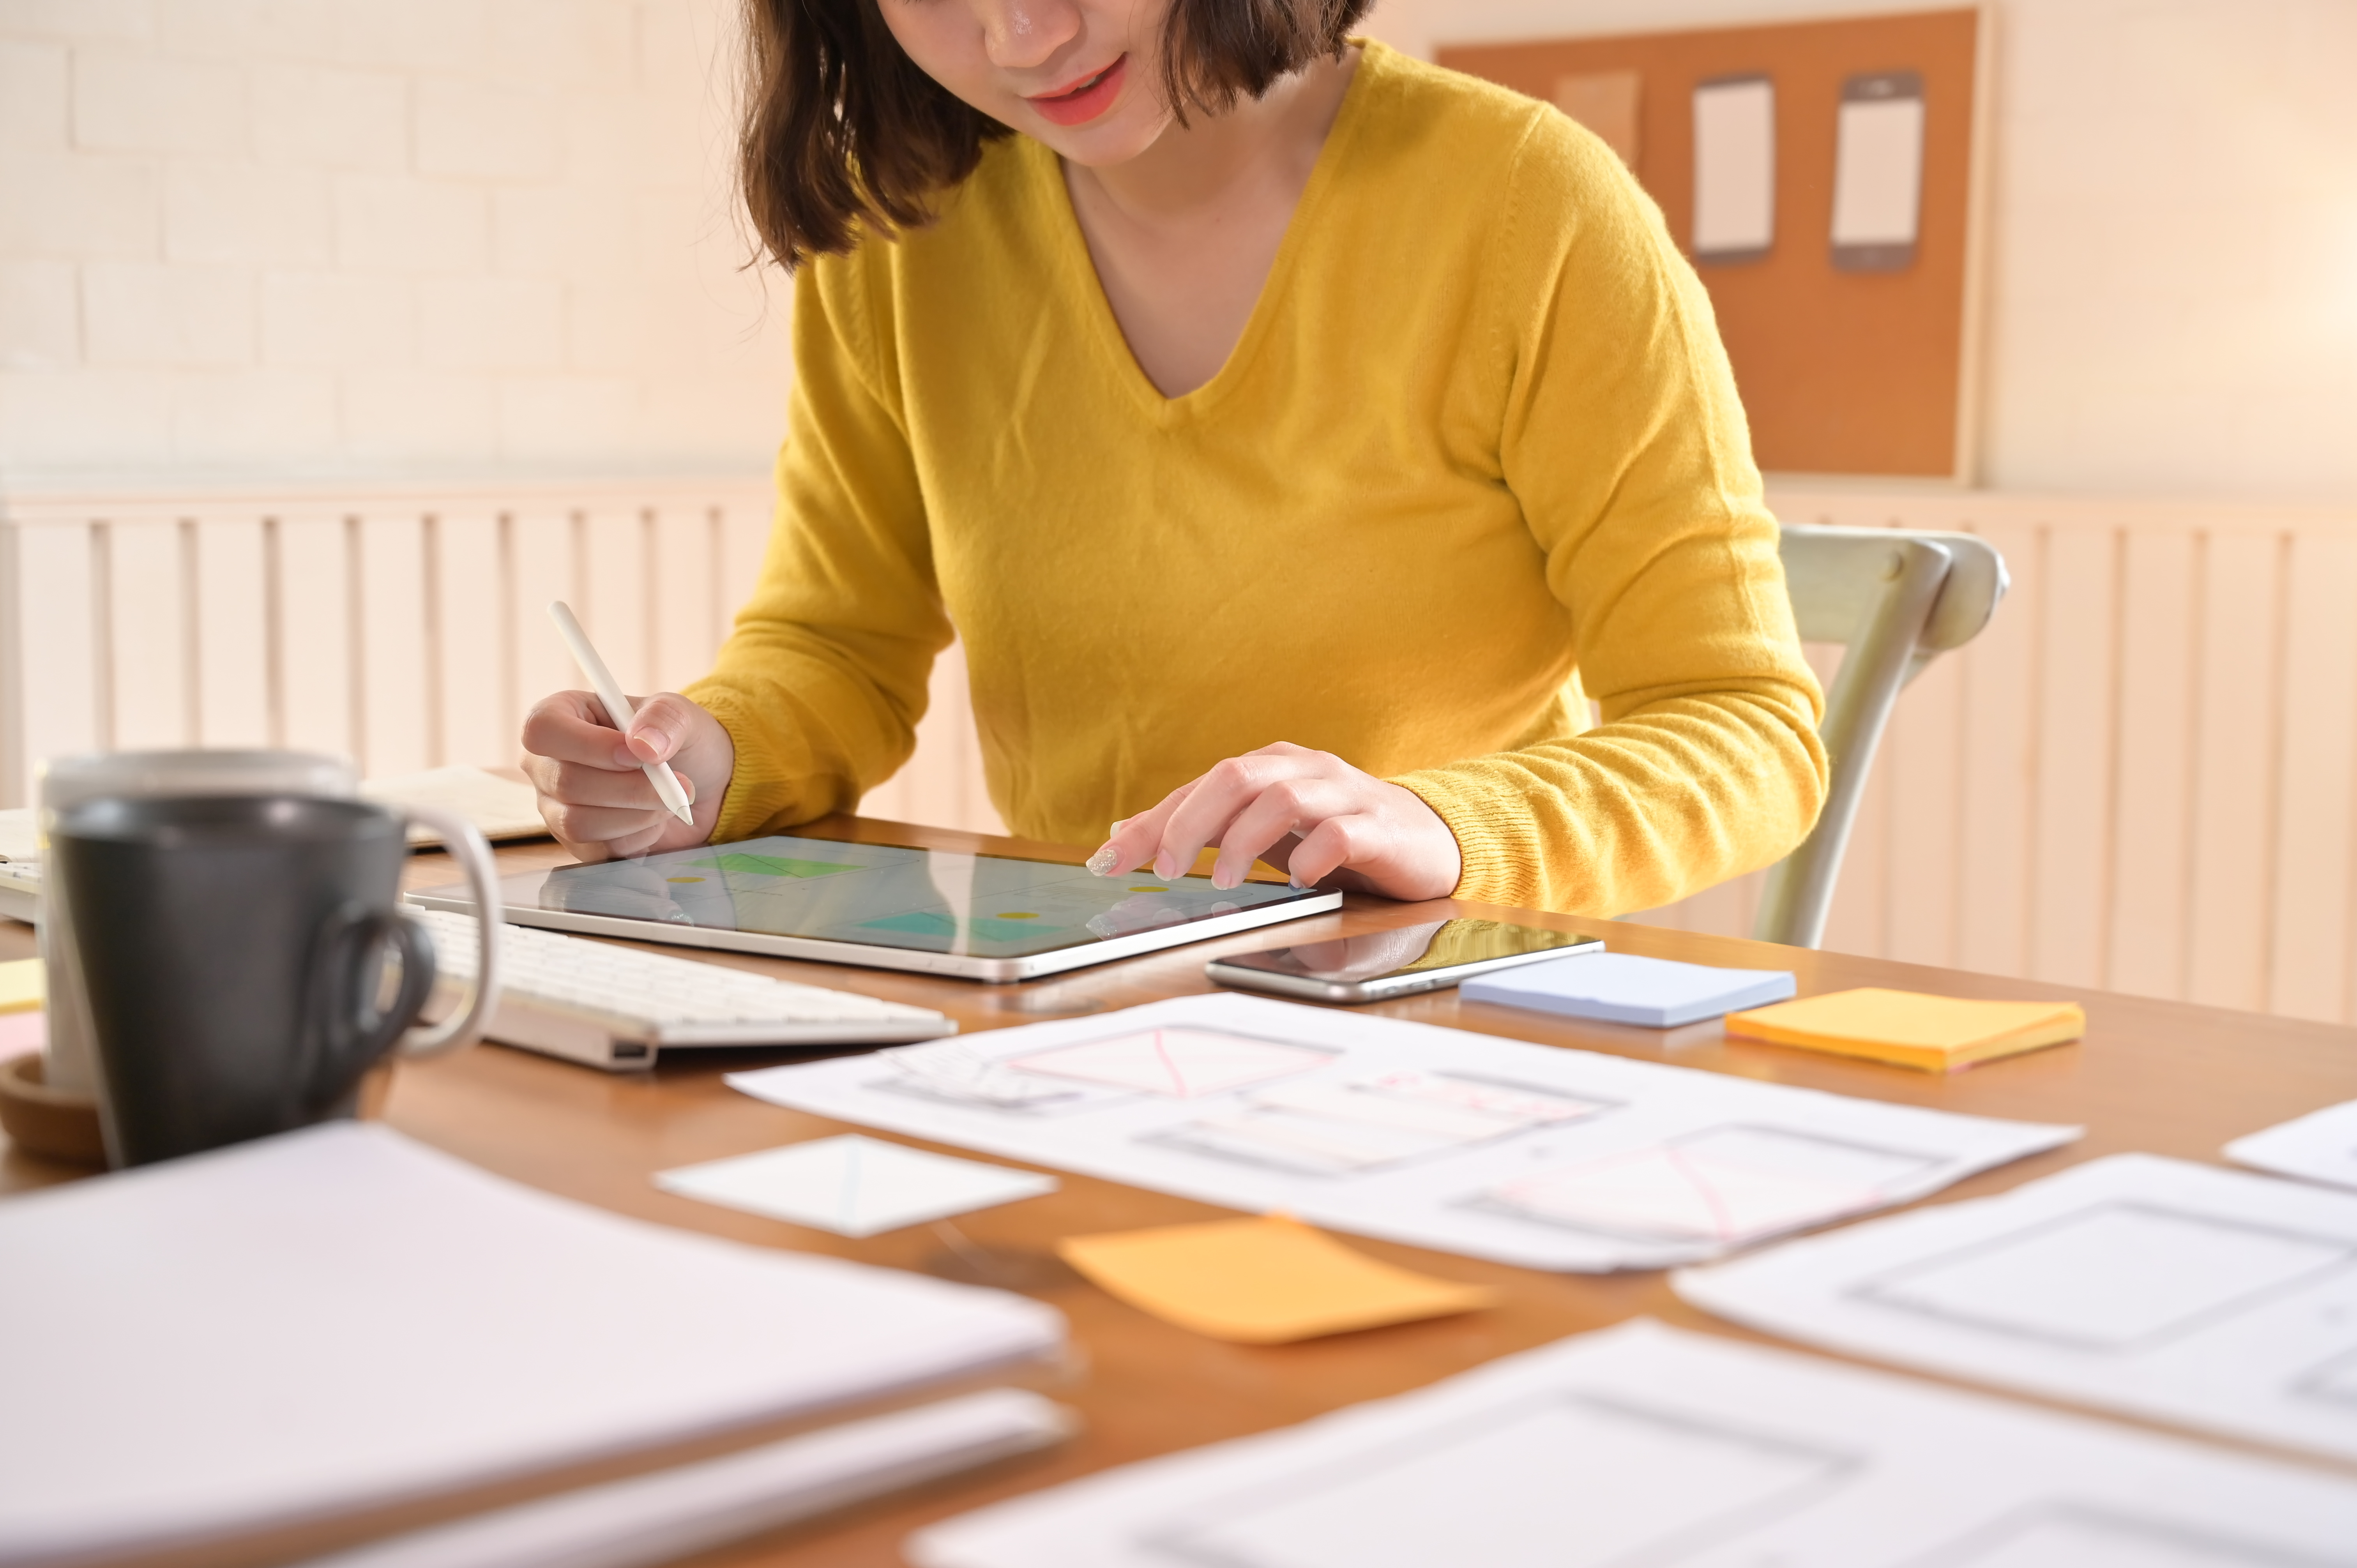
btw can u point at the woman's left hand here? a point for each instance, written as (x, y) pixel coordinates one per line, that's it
(1310, 812)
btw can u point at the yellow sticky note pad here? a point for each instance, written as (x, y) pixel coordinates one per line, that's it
(1910, 1028)
(1260, 1282)
(22, 986)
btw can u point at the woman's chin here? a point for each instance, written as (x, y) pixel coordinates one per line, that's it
(1121, 134)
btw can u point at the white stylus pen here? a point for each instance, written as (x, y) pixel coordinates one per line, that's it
(618, 706)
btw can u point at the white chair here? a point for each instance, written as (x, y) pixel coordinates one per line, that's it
(1896, 600)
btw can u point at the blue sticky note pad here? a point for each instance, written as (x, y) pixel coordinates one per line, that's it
(1621, 988)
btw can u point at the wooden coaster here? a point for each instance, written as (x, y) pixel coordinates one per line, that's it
(48, 1121)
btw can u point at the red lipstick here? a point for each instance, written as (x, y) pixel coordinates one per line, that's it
(1080, 101)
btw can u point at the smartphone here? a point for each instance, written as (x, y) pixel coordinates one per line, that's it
(1398, 962)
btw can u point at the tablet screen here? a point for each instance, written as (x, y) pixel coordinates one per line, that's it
(883, 896)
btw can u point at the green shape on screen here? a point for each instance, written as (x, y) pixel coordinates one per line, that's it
(773, 864)
(932, 923)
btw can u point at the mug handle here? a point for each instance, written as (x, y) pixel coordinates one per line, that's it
(354, 1034)
(467, 844)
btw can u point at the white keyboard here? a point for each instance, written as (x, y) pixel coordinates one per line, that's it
(616, 1007)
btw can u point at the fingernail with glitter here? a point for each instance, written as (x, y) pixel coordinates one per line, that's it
(1102, 863)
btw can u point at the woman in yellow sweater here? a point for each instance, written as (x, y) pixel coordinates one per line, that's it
(1297, 434)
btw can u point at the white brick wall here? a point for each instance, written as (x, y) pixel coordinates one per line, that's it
(451, 236)
(346, 237)
(2173, 299)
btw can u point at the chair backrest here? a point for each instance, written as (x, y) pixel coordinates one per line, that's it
(1894, 599)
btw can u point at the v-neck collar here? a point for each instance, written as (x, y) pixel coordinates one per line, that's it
(1072, 248)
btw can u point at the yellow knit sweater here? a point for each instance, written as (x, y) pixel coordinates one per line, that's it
(1478, 434)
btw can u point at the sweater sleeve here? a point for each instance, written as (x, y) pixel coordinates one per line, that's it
(1624, 442)
(822, 680)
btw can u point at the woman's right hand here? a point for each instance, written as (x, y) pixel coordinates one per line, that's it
(595, 795)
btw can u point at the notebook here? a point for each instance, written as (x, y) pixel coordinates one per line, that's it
(1909, 1029)
(341, 1317)
(1621, 988)
(499, 807)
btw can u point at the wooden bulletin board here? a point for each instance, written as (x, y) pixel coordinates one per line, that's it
(1842, 372)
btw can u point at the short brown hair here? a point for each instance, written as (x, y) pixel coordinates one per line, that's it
(842, 132)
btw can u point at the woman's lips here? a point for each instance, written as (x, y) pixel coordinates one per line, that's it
(1084, 101)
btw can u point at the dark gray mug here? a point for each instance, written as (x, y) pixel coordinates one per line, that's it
(234, 954)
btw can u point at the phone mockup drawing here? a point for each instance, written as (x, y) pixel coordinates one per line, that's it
(1879, 172)
(1398, 963)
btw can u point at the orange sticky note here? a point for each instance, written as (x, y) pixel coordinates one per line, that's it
(1260, 1282)
(1910, 1028)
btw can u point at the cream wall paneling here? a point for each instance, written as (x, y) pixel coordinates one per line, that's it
(2142, 777)
(404, 628)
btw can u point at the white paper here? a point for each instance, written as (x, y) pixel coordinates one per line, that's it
(672, 1514)
(2321, 1146)
(2159, 1287)
(853, 1186)
(20, 834)
(499, 808)
(1879, 172)
(1468, 1143)
(341, 1317)
(1644, 1444)
(1735, 168)
(1623, 988)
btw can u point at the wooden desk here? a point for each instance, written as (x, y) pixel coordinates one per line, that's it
(2154, 1076)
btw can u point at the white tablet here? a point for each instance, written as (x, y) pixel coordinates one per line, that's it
(980, 917)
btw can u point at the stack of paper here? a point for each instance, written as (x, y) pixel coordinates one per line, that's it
(672, 1514)
(1621, 988)
(1642, 1445)
(1910, 1029)
(340, 1317)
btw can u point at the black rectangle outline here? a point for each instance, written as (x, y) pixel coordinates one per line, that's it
(1863, 1291)
(1331, 1053)
(1839, 1468)
(1167, 1137)
(901, 1084)
(2312, 1383)
(1485, 1203)
(1975, 1546)
(907, 1087)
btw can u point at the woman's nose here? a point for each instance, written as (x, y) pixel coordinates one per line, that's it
(1019, 34)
